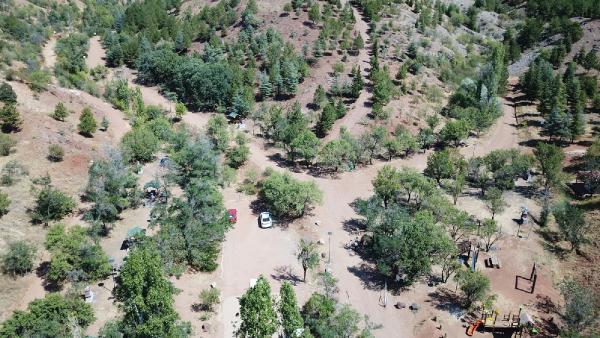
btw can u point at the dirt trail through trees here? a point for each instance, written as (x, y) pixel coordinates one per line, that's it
(49, 55)
(359, 109)
(96, 53)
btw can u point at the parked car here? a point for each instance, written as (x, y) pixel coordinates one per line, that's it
(232, 215)
(265, 220)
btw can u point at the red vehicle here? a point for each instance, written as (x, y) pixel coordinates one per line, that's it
(232, 215)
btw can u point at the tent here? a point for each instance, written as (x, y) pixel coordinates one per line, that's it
(135, 232)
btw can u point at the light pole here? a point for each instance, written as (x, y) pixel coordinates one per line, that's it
(329, 259)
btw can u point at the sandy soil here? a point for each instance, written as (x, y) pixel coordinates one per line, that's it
(96, 53)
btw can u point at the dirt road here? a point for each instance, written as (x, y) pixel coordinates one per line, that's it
(359, 109)
(96, 53)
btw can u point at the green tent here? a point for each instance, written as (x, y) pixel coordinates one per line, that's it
(135, 232)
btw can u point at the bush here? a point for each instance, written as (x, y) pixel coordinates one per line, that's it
(288, 197)
(51, 316)
(55, 153)
(140, 144)
(104, 124)
(6, 144)
(4, 204)
(10, 117)
(87, 123)
(7, 94)
(19, 258)
(11, 171)
(60, 112)
(474, 285)
(52, 205)
(75, 256)
(209, 298)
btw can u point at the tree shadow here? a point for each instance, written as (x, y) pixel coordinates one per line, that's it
(354, 225)
(546, 305)
(550, 239)
(371, 279)
(316, 171)
(42, 271)
(286, 273)
(531, 143)
(526, 191)
(533, 123)
(446, 300)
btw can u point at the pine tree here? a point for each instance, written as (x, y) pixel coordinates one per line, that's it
(7, 94)
(10, 117)
(276, 78)
(240, 105)
(290, 77)
(291, 320)
(318, 47)
(87, 123)
(314, 13)
(577, 126)
(60, 112)
(559, 94)
(328, 117)
(357, 84)
(180, 42)
(358, 43)
(340, 108)
(264, 86)
(557, 124)
(114, 55)
(319, 97)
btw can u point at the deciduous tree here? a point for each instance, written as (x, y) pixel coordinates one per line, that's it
(291, 320)
(257, 314)
(571, 223)
(146, 297)
(308, 256)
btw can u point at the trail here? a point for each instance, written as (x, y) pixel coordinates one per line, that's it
(49, 55)
(503, 135)
(96, 53)
(359, 109)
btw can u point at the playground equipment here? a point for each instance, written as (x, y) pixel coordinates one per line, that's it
(511, 323)
(532, 280)
(473, 327)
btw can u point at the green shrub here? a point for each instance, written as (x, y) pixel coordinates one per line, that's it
(140, 144)
(7, 94)
(60, 112)
(10, 117)
(4, 204)
(55, 153)
(51, 205)
(7, 143)
(51, 316)
(209, 298)
(87, 123)
(19, 258)
(11, 171)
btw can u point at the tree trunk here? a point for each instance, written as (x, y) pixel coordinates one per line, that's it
(304, 268)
